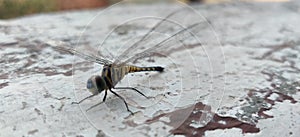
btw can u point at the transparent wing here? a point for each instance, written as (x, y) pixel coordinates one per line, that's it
(169, 44)
(145, 38)
(64, 47)
(168, 33)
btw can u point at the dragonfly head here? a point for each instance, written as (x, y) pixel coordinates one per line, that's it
(96, 84)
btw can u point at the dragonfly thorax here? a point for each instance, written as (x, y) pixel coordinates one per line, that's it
(96, 84)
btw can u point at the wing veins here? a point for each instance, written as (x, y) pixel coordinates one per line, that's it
(87, 57)
(133, 46)
(148, 51)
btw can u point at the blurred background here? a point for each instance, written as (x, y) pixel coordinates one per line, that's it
(17, 8)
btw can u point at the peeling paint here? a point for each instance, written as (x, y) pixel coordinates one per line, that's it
(261, 90)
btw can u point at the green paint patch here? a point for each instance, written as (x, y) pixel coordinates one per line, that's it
(16, 8)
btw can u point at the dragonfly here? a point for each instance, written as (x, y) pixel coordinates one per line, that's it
(114, 71)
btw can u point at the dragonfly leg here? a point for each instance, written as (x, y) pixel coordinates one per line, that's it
(94, 106)
(104, 98)
(123, 101)
(84, 99)
(98, 103)
(133, 89)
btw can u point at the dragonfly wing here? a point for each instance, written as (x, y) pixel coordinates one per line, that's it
(162, 22)
(67, 48)
(162, 28)
(168, 33)
(170, 44)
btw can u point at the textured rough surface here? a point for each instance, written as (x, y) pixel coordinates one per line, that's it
(249, 86)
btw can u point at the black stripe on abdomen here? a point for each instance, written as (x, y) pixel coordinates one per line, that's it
(138, 69)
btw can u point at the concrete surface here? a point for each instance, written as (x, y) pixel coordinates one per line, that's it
(242, 80)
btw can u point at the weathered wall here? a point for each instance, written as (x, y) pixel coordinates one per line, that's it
(254, 92)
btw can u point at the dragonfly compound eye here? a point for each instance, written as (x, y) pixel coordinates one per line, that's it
(91, 85)
(96, 84)
(100, 83)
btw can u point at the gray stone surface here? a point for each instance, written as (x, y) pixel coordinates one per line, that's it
(243, 80)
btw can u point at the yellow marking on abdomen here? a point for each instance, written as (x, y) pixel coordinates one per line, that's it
(138, 69)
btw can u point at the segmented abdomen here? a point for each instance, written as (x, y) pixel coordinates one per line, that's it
(138, 69)
(116, 74)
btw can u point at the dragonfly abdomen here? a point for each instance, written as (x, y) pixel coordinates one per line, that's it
(116, 74)
(138, 69)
